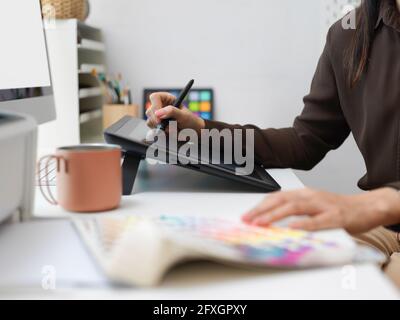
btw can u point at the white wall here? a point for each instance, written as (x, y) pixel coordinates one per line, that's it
(258, 55)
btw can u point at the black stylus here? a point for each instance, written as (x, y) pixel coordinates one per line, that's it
(178, 103)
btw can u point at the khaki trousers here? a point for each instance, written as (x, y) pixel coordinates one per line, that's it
(387, 242)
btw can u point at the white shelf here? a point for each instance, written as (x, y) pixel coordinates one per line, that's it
(88, 116)
(89, 92)
(75, 50)
(87, 44)
(88, 68)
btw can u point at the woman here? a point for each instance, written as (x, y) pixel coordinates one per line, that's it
(356, 89)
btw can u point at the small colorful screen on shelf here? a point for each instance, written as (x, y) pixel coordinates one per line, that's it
(199, 101)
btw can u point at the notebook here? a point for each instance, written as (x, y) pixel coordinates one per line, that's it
(139, 250)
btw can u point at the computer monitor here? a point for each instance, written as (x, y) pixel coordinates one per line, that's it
(25, 81)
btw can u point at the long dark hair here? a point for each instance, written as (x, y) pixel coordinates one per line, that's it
(356, 60)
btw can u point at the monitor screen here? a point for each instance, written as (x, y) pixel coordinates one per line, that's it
(25, 81)
(23, 62)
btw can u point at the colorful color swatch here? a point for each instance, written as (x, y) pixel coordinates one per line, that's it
(271, 246)
(199, 101)
(221, 239)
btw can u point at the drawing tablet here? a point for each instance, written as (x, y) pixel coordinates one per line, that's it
(131, 134)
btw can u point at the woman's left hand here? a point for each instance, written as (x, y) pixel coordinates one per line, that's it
(323, 210)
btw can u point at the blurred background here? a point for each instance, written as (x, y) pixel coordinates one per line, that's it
(259, 57)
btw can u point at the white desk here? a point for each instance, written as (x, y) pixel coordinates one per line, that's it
(201, 195)
(182, 190)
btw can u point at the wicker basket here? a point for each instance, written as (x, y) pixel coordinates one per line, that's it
(65, 9)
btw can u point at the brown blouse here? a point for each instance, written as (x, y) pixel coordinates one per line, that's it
(370, 111)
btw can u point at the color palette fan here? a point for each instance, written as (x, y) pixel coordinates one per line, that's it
(272, 246)
(199, 101)
(139, 250)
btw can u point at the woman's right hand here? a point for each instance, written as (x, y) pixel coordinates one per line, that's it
(162, 108)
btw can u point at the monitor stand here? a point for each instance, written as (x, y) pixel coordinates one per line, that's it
(130, 169)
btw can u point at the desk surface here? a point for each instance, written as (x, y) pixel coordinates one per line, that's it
(163, 179)
(177, 190)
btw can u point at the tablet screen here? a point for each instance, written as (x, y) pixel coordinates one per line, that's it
(137, 131)
(142, 133)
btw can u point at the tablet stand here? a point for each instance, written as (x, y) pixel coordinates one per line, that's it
(130, 169)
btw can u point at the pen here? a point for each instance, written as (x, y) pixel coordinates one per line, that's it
(164, 124)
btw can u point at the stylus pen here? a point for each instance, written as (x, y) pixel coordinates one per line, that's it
(164, 124)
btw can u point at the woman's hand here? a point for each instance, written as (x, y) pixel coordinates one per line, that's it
(356, 213)
(162, 108)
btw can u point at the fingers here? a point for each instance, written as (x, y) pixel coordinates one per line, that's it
(152, 120)
(282, 212)
(274, 201)
(169, 112)
(320, 222)
(158, 101)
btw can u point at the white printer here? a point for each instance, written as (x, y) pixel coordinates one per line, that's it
(18, 140)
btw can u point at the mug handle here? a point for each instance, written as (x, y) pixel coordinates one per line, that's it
(49, 197)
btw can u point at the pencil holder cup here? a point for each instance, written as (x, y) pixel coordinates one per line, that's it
(114, 112)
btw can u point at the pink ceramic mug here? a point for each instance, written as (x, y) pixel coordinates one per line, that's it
(88, 179)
